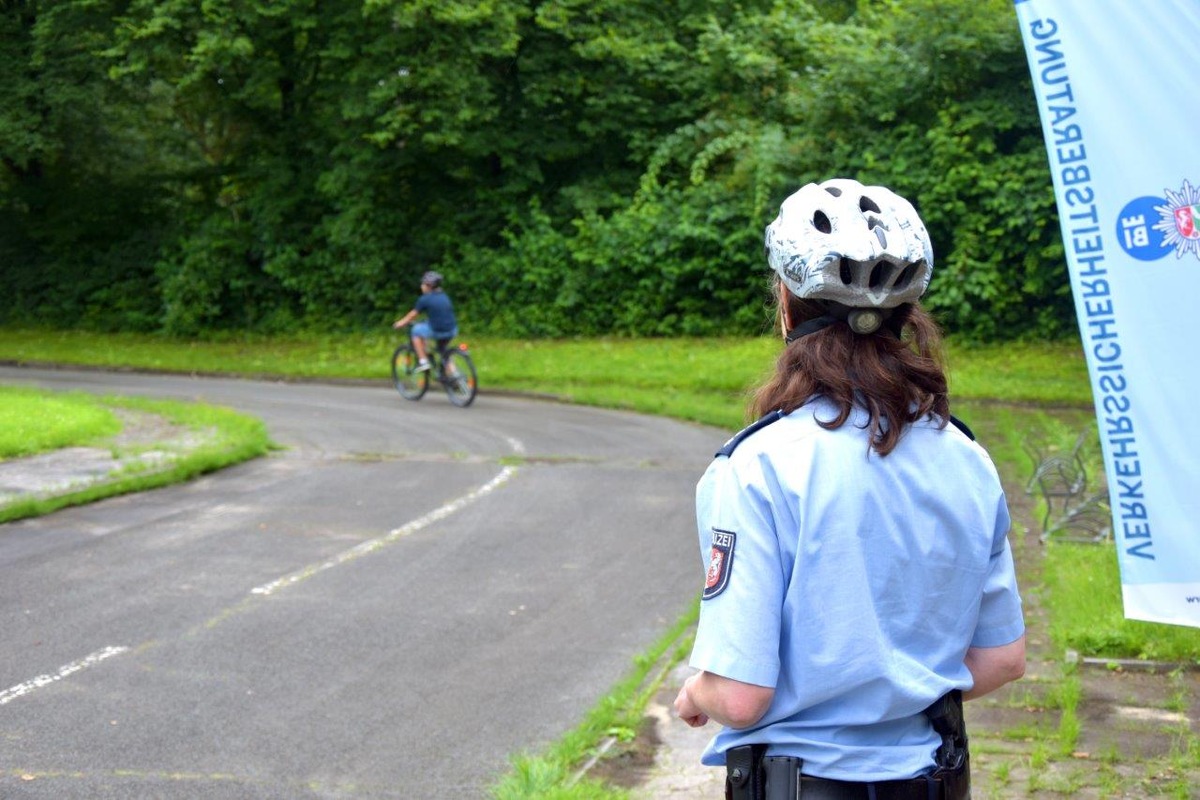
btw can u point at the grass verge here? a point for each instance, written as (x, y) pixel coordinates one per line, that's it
(33, 422)
(228, 438)
(700, 380)
(1084, 585)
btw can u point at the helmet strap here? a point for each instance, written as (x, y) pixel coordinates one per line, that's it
(863, 321)
(810, 326)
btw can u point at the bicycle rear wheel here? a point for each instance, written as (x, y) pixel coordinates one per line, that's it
(409, 383)
(460, 380)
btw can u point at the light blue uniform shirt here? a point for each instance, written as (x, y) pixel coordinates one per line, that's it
(853, 585)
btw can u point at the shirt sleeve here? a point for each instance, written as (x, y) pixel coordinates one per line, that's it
(1000, 617)
(740, 614)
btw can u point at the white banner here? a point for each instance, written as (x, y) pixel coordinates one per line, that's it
(1116, 89)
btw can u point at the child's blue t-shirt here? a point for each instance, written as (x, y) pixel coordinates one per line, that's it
(440, 312)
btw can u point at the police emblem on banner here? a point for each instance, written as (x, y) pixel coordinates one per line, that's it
(1149, 228)
(720, 562)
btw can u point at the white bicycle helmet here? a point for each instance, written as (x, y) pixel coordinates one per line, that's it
(860, 248)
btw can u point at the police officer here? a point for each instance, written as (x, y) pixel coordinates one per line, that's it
(859, 581)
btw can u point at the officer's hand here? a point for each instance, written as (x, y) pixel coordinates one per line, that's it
(687, 710)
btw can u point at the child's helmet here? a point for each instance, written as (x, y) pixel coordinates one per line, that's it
(862, 247)
(432, 279)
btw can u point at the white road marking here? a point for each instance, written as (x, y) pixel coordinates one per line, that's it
(25, 688)
(372, 545)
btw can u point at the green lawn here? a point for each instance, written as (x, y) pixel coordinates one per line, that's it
(702, 380)
(34, 422)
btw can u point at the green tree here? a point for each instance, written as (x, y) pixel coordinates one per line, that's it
(236, 80)
(574, 166)
(958, 133)
(929, 97)
(79, 223)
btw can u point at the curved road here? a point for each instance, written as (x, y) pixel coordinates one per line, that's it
(392, 606)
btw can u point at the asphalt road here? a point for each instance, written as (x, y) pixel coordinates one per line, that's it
(392, 606)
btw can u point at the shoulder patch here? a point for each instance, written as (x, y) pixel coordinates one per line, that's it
(962, 426)
(738, 437)
(720, 563)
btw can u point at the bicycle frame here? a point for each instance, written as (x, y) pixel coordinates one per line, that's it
(437, 354)
(450, 365)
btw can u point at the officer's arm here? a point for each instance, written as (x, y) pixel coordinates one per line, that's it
(992, 667)
(729, 702)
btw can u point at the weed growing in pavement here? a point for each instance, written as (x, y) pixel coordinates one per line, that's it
(1178, 702)
(1173, 776)
(1039, 757)
(1002, 772)
(1070, 781)
(1108, 781)
(1185, 749)
(1181, 789)
(1026, 732)
(1027, 699)
(1065, 696)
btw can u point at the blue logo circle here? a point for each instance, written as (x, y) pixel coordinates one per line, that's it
(1135, 229)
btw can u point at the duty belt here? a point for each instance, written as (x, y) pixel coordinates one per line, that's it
(780, 778)
(752, 775)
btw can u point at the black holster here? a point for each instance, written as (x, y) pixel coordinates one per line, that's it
(953, 757)
(957, 782)
(946, 716)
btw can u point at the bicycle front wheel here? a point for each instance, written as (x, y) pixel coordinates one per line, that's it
(409, 383)
(460, 379)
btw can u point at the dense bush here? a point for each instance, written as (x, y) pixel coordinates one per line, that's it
(575, 167)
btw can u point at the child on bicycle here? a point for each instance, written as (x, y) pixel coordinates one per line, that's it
(440, 322)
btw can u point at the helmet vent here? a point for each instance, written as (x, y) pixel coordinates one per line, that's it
(833, 190)
(822, 223)
(882, 237)
(866, 204)
(906, 276)
(878, 274)
(845, 272)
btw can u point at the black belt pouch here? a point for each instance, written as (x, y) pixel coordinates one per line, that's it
(781, 774)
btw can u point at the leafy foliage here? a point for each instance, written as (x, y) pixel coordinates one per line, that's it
(573, 167)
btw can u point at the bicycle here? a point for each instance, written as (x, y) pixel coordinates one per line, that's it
(450, 366)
